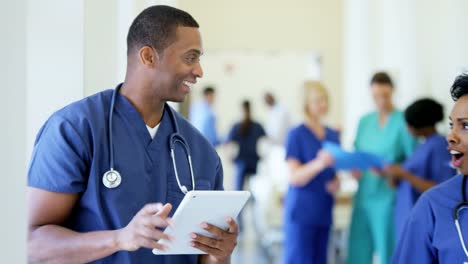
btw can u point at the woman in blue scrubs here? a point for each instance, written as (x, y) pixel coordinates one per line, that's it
(79, 215)
(309, 199)
(427, 166)
(430, 234)
(246, 135)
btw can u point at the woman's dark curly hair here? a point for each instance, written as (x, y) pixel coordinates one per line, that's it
(459, 87)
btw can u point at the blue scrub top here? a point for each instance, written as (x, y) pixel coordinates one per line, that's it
(247, 153)
(310, 204)
(430, 161)
(71, 154)
(430, 235)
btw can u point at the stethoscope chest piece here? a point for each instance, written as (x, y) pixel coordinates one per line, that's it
(111, 179)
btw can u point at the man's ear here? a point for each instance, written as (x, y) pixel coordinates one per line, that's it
(148, 56)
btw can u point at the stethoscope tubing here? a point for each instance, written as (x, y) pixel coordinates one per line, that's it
(462, 205)
(176, 137)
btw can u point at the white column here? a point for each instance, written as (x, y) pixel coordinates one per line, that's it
(357, 65)
(399, 53)
(55, 68)
(447, 41)
(13, 132)
(126, 12)
(100, 50)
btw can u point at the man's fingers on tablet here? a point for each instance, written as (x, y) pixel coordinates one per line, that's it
(155, 234)
(211, 242)
(157, 221)
(216, 231)
(151, 208)
(152, 221)
(206, 248)
(171, 222)
(165, 210)
(233, 226)
(150, 243)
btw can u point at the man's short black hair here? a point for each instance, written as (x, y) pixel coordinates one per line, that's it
(246, 105)
(459, 87)
(155, 27)
(208, 90)
(381, 78)
(424, 113)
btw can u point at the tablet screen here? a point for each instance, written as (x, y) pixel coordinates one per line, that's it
(197, 207)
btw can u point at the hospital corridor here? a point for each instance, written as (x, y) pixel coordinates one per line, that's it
(244, 132)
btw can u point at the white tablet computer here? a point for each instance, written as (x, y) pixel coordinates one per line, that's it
(197, 207)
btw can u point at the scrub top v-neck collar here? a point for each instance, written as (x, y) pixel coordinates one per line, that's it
(129, 113)
(318, 139)
(384, 126)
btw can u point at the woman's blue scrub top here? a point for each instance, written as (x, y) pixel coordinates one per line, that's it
(430, 235)
(247, 153)
(71, 154)
(310, 204)
(430, 161)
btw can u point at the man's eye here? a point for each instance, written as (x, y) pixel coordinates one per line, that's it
(191, 59)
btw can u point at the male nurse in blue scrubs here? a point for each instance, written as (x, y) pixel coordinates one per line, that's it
(74, 217)
(430, 234)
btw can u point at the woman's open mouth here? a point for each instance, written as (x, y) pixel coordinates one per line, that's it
(457, 158)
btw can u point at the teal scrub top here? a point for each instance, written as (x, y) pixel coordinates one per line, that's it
(391, 141)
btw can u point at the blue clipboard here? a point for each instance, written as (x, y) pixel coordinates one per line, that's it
(357, 160)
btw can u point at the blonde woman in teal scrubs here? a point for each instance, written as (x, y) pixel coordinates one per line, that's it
(382, 132)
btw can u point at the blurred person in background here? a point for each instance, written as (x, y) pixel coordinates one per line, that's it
(202, 116)
(245, 134)
(312, 182)
(427, 166)
(384, 133)
(278, 121)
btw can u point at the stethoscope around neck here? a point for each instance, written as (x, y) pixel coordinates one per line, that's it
(112, 178)
(456, 214)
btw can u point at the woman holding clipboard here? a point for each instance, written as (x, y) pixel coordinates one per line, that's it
(309, 200)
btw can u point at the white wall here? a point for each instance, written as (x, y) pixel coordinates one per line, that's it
(422, 44)
(13, 132)
(307, 25)
(248, 74)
